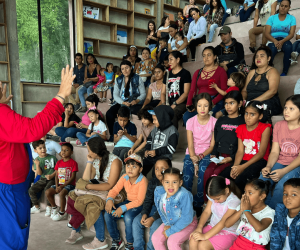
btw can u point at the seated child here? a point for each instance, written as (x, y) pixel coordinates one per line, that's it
(179, 41)
(285, 232)
(200, 137)
(255, 217)
(163, 49)
(135, 185)
(65, 181)
(296, 49)
(147, 127)
(110, 78)
(236, 82)
(253, 147)
(52, 147)
(96, 128)
(101, 85)
(149, 217)
(222, 203)
(175, 207)
(163, 139)
(44, 165)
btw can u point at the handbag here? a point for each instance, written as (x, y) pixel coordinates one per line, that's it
(88, 84)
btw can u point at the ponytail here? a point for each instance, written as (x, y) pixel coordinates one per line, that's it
(216, 186)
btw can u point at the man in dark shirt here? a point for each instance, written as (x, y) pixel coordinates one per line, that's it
(230, 52)
(79, 70)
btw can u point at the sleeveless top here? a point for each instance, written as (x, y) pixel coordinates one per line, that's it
(109, 76)
(257, 88)
(96, 165)
(94, 72)
(156, 93)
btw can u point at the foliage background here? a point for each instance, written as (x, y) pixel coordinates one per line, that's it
(55, 39)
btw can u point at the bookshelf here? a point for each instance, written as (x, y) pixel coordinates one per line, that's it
(115, 16)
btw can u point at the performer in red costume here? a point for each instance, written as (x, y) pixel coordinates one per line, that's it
(16, 132)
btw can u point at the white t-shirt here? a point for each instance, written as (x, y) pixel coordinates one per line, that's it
(184, 50)
(172, 42)
(298, 33)
(265, 11)
(287, 244)
(246, 230)
(52, 148)
(100, 128)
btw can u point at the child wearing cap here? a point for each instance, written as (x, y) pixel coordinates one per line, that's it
(163, 139)
(135, 185)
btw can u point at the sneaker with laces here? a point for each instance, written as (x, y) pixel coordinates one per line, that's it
(128, 246)
(70, 139)
(54, 212)
(35, 210)
(294, 55)
(95, 245)
(293, 62)
(74, 237)
(82, 109)
(117, 244)
(59, 217)
(48, 211)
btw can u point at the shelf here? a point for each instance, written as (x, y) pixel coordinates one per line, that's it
(141, 30)
(144, 15)
(2, 44)
(1, 62)
(108, 57)
(101, 6)
(4, 81)
(146, 1)
(171, 7)
(2, 24)
(112, 43)
(40, 84)
(91, 20)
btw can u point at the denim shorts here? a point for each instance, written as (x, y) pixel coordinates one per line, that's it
(68, 187)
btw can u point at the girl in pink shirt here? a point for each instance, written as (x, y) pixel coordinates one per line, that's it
(201, 141)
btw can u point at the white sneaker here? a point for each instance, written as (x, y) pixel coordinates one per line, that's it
(293, 62)
(59, 217)
(54, 212)
(35, 210)
(74, 237)
(48, 211)
(294, 55)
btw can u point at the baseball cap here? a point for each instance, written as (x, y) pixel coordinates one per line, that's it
(135, 157)
(224, 30)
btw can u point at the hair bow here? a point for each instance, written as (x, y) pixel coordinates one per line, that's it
(227, 181)
(92, 108)
(264, 106)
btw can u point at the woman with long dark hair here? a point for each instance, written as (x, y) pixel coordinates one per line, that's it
(163, 29)
(90, 79)
(151, 39)
(133, 57)
(129, 90)
(214, 18)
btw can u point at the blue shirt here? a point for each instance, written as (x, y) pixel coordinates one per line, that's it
(79, 74)
(249, 2)
(124, 141)
(281, 28)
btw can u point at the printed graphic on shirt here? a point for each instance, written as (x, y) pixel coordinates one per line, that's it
(229, 127)
(284, 29)
(289, 146)
(49, 164)
(174, 89)
(159, 140)
(249, 145)
(64, 174)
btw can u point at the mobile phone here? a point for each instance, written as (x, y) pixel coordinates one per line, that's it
(113, 211)
(94, 181)
(76, 123)
(270, 174)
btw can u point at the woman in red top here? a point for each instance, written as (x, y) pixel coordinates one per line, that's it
(16, 161)
(210, 73)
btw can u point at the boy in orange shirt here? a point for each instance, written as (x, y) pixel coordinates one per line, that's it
(135, 185)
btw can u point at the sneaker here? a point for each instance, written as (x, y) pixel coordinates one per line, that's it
(35, 210)
(78, 143)
(54, 212)
(117, 244)
(283, 74)
(95, 244)
(128, 247)
(74, 237)
(82, 109)
(252, 49)
(69, 225)
(294, 55)
(293, 63)
(55, 138)
(70, 139)
(76, 107)
(59, 217)
(103, 99)
(48, 211)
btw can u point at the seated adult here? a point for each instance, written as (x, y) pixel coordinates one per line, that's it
(246, 11)
(90, 79)
(191, 5)
(154, 91)
(262, 83)
(211, 72)
(129, 90)
(146, 66)
(206, 8)
(172, 43)
(229, 52)
(263, 10)
(214, 18)
(163, 29)
(104, 168)
(69, 118)
(79, 71)
(151, 39)
(133, 57)
(280, 29)
(177, 84)
(197, 31)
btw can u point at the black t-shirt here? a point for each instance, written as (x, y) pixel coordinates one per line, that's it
(163, 54)
(72, 118)
(176, 84)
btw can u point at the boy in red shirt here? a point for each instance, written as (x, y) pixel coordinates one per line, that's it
(65, 181)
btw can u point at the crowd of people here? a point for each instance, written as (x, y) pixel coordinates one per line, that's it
(247, 169)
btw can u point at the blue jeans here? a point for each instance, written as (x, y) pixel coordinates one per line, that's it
(224, 18)
(244, 15)
(287, 49)
(83, 138)
(129, 215)
(81, 93)
(296, 46)
(68, 132)
(212, 32)
(112, 93)
(139, 231)
(152, 47)
(272, 200)
(188, 177)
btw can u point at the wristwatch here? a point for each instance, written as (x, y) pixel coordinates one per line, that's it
(175, 103)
